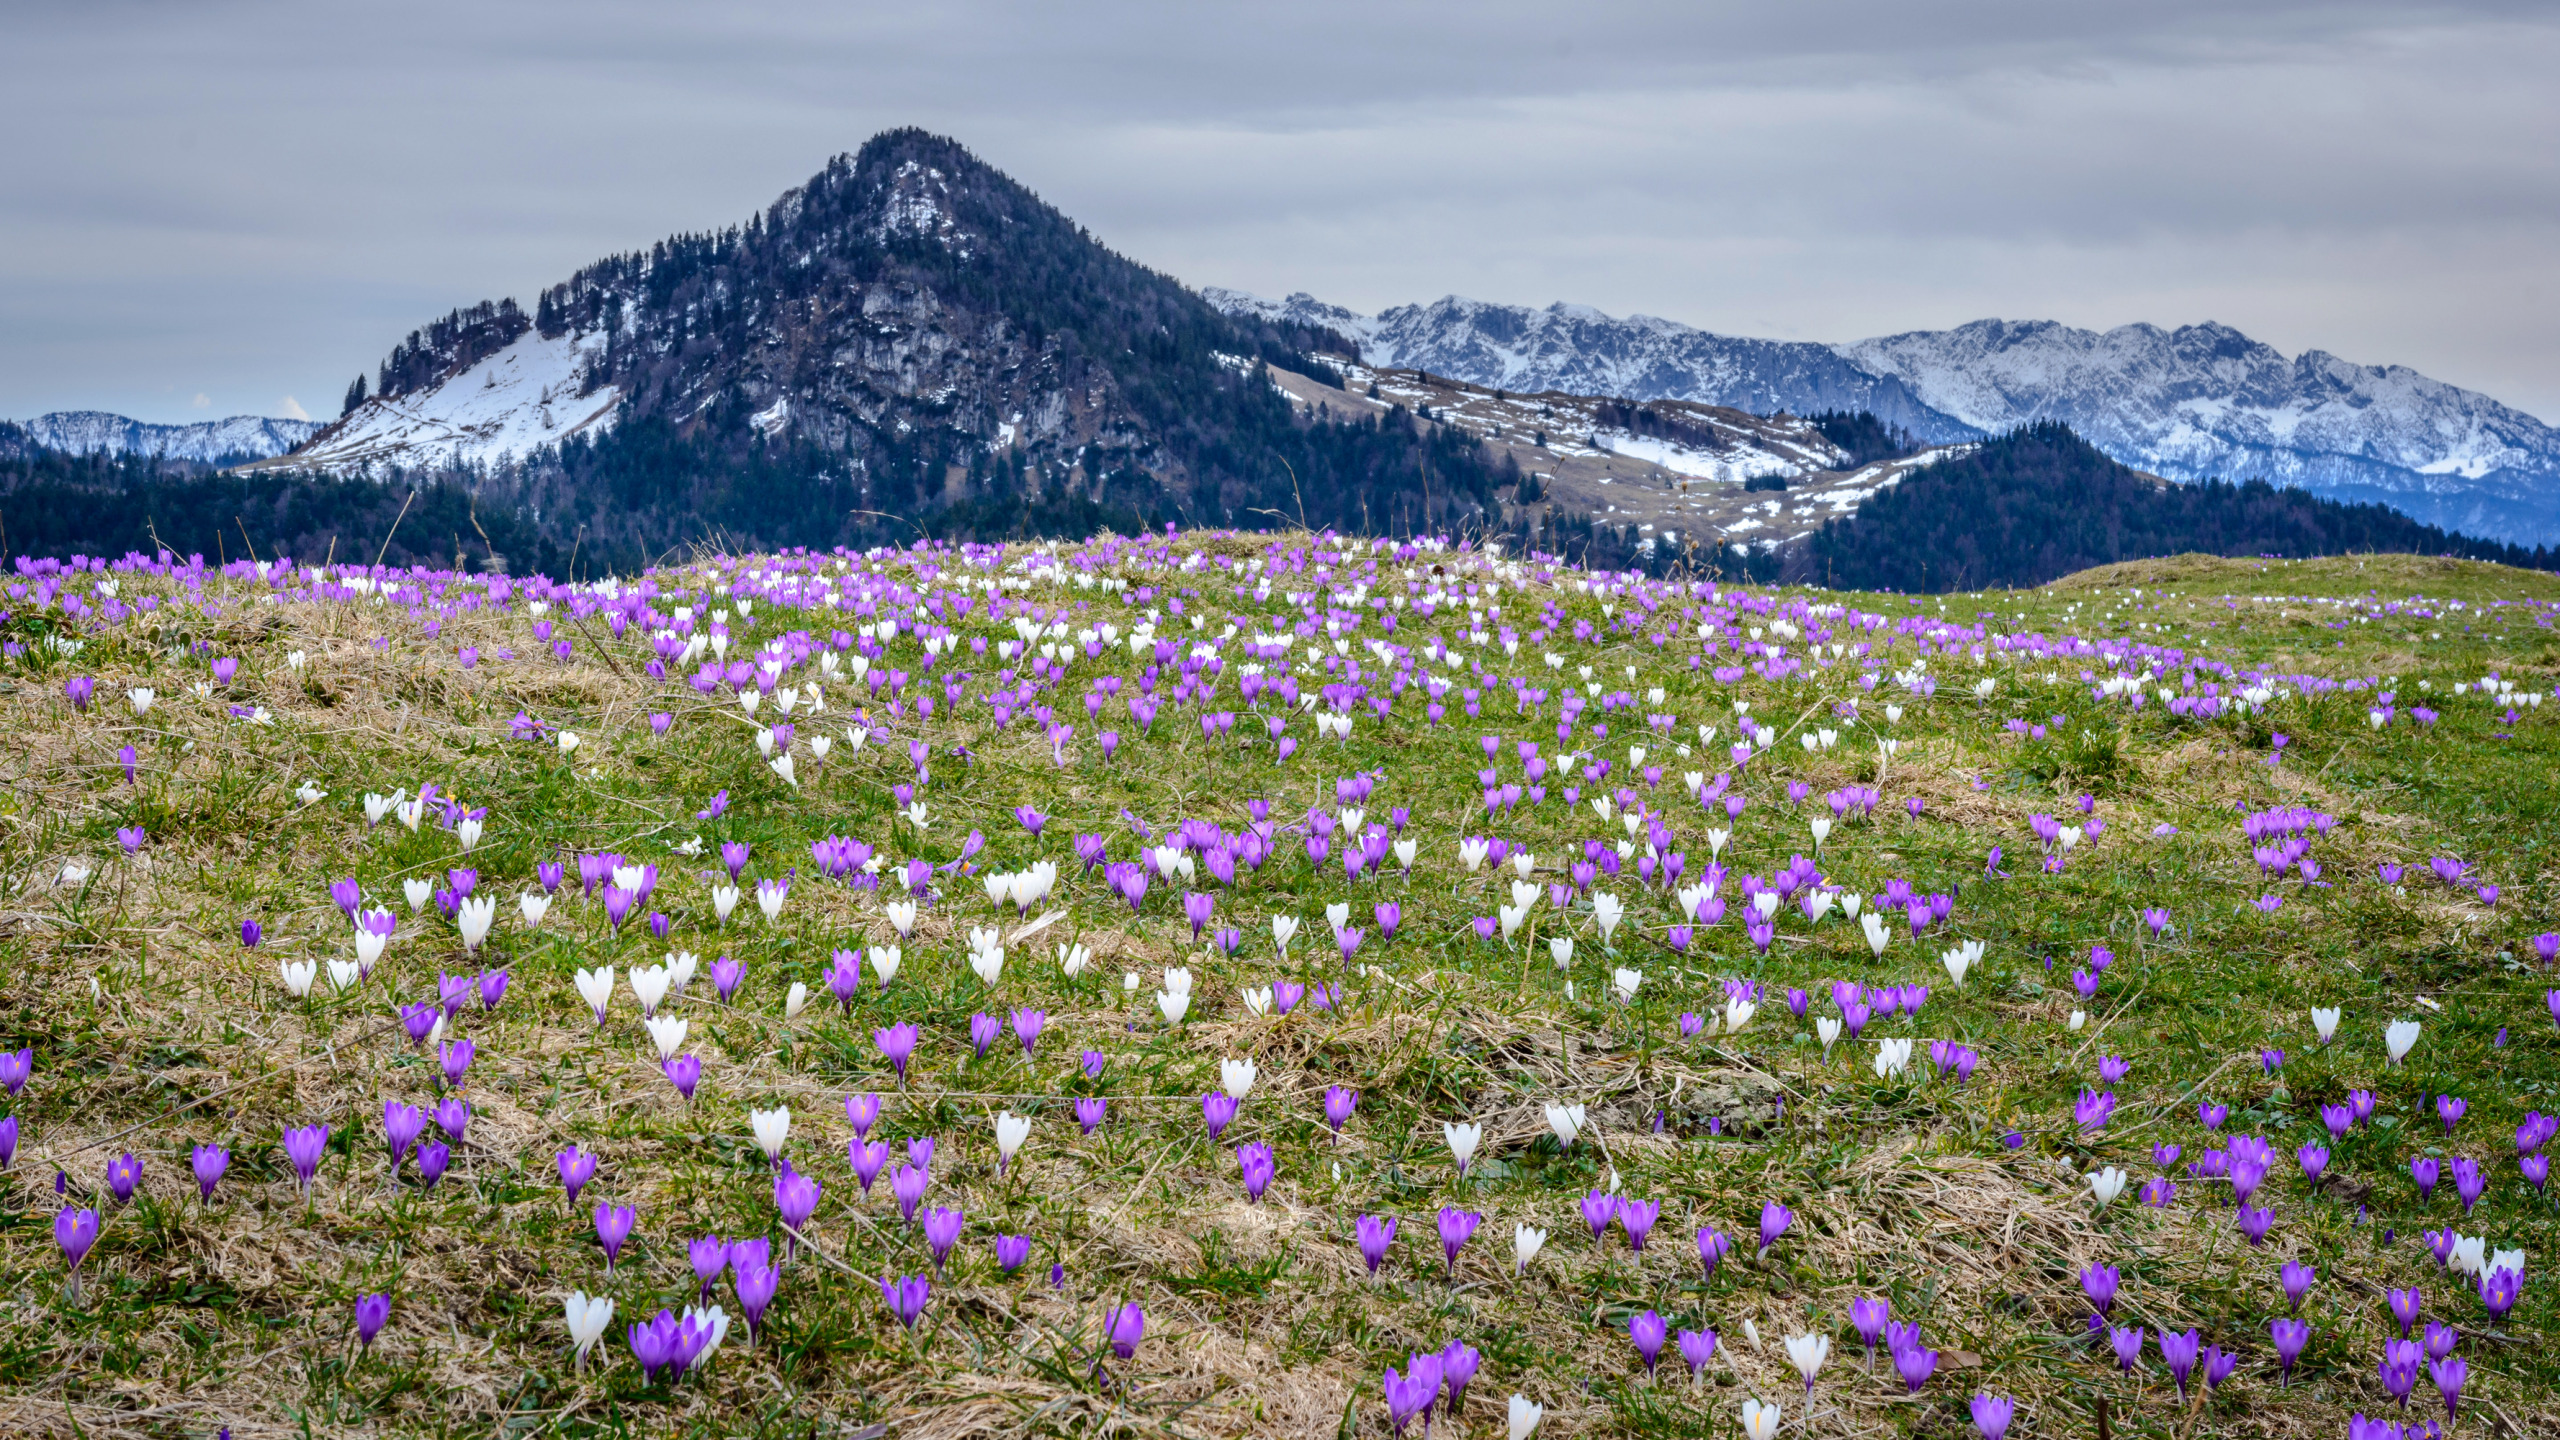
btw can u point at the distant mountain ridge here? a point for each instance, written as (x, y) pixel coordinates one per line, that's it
(240, 437)
(2197, 402)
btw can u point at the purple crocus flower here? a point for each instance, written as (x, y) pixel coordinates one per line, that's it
(124, 1176)
(1637, 1217)
(2470, 1182)
(2499, 1291)
(402, 1124)
(2099, 1283)
(2291, 1337)
(1458, 1363)
(1456, 1226)
(755, 1283)
(2426, 1171)
(304, 1146)
(1090, 1113)
(906, 1298)
(795, 1197)
(613, 1227)
(210, 1162)
(1712, 1247)
(2314, 1159)
(1094, 1062)
(2297, 1279)
(2211, 1115)
(1027, 1025)
(1254, 1160)
(2180, 1352)
(1991, 1415)
(2449, 1109)
(1697, 1347)
(2400, 1368)
(898, 1043)
(1868, 1316)
(2255, 1223)
(1218, 1108)
(1124, 1327)
(577, 1167)
(683, 1072)
(941, 1231)
(1011, 1252)
(75, 1231)
(1598, 1209)
(709, 1255)
(372, 1313)
(433, 1157)
(725, 977)
(1774, 1220)
(8, 1140)
(2405, 1305)
(1648, 1331)
(1374, 1234)
(908, 1183)
(1914, 1361)
(2127, 1340)
(983, 1030)
(1339, 1102)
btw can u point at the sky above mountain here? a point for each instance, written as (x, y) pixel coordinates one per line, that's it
(236, 205)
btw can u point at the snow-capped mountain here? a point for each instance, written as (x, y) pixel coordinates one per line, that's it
(2206, 400)
(505, 405)
(1582, 351)
(88, 432)
(2196, 402)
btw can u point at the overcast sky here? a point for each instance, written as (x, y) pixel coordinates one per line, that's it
(211, 207)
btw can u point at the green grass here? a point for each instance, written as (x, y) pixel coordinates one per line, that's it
(153, 1031)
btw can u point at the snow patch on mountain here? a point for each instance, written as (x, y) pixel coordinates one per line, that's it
(516, 401)
(91, 432)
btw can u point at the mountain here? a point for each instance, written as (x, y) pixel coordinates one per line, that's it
(1581, 351)
(94, 432)
(908, 340)
(2198, 402)
(2041, 502)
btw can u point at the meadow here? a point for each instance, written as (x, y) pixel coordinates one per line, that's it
(1227, 984)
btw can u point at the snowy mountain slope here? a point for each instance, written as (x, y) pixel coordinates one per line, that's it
(2195, 402)
(508, 404)
(2206, 400)
(1582, 351)
(89, 432)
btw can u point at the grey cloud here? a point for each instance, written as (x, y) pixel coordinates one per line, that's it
(253, 199)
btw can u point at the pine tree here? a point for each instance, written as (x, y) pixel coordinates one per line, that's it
(355, 397)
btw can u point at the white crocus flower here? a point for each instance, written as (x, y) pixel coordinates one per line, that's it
(1463, 1139)
(988, 963)
(1471, 854)
(476, 914)
(796, 1001)
(1526, 1241)
(902, 917)
(1011, 1131)
(298, 975)
(2400, 1039)
(1405, 851)
(141, 696)
(1257, 999)
(310, 793)
(1337, 915)
(885, 960)
(419, 893)
(2079, 1018)
(1820, 825)
(344, 975)
(1960, 961)
(1892, 1058)
(1627, 982)
(1827, 1030)
(773, 1129)
(1760, 1421)
(2325, 1023)
(596, 988)
(1525, 1415)
(1236, 1078)
(1606, 912)
(1512, 917)
(649, 985)
(769, 897)
(1561, 947)
(1284, 928)
(378, 807)
(568, 741)
(1566, 1121)
(2469, 1256)
(724, 901)
(468, 831)
(1524, 893)
(2106, 1184)
(1072, 959)
(1738, 1013)
(587, 1318)
(666, 1032)
(1877, 935)
(1173, 1005)
(1807, 1353)
(784, 766)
